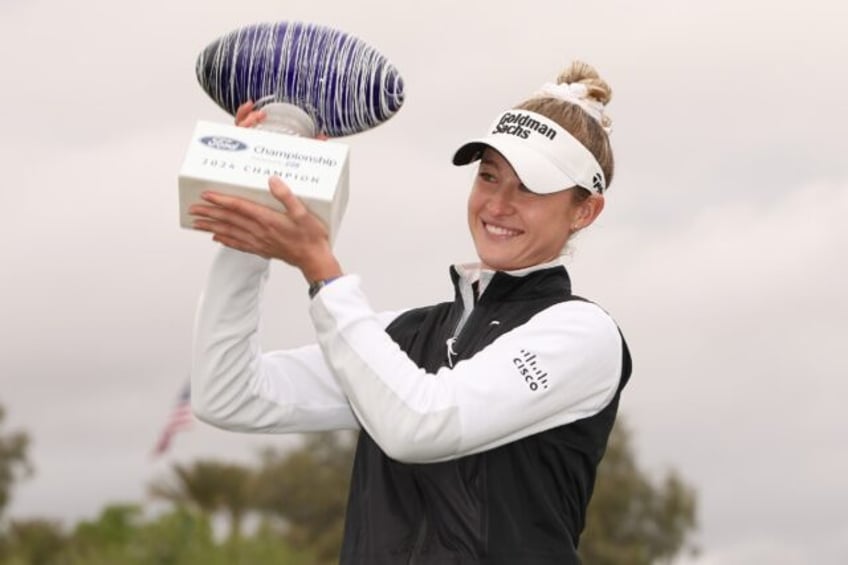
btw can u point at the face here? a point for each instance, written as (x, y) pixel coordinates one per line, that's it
(514, 228)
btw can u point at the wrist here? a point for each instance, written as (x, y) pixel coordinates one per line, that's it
(321, 274)
(316, 286)
(321, 268)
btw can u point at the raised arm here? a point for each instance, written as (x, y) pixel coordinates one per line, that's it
(414, 416)
(233, 384)
(481, 403)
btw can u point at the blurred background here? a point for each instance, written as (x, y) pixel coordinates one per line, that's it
(721, 254)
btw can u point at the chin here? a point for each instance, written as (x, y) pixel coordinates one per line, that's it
(499, 257)
(500, 263)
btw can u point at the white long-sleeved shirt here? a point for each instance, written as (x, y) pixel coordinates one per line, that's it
(357, 375)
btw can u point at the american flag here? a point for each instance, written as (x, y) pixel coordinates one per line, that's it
(180, 419)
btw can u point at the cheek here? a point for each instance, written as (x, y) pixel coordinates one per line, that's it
(552, 220)
(474, 203)
(470, 215)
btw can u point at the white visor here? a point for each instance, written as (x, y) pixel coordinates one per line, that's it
(544, 155)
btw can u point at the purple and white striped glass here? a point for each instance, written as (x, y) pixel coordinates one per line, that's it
(342, 83)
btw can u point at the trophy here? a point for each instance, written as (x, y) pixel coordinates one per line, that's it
(308, 79)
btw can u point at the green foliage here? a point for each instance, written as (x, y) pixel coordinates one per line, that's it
(13, 460)
(630, 520)
(33, 542)
(298, 499)
(307, 488)
(181, 536)
(211, 486)
(268, 546)
(121, 536)
(115, 527)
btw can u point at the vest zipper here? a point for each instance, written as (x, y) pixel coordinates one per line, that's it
(451, 352)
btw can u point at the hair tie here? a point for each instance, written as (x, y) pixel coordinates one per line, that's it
(577, 93)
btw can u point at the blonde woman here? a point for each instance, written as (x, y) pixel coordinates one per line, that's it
(483, 418)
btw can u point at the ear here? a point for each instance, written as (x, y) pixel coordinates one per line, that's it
(586, 211)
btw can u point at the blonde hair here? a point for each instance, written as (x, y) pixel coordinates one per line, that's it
(586, 129)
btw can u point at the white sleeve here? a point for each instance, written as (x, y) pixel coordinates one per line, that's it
(562, 365)
(233, 384)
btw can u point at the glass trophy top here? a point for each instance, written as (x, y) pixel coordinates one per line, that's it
(344, 85)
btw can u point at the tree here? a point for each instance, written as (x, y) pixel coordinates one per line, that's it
(121, 535)
(630, 520)
(302, 494)
(211, 486)
(33, 542)
(114, 528)
(14, 463)
(182, 536)
(307, 488)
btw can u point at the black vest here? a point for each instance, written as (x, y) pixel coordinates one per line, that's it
(523, 503)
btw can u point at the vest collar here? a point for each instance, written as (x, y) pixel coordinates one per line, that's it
(498, 285)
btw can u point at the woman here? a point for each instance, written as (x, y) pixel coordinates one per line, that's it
(483, 419)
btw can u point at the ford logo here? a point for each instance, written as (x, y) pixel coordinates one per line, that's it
(223, 143)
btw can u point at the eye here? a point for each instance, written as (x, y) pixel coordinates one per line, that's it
(486, 173)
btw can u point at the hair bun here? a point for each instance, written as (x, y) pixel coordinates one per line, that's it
(583, 73)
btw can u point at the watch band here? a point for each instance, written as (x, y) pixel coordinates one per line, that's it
(318, 285)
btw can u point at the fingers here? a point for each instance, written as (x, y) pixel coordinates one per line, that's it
(231, 236)
(253, 119)
(240, 212)
(247, 117)
(244, 110)
(281, 191)
(295, 236)
(239, 245)
(228, 229)
(228, 234)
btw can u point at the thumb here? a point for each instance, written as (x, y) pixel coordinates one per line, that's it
(282, 192)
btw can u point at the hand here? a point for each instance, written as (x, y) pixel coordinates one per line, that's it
(247, 117)
(294, 236)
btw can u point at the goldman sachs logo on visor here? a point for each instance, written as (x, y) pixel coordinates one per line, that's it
(521, 125)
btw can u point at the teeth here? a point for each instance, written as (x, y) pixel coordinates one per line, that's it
(498, 230)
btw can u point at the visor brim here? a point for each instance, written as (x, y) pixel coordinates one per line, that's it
(535, 169)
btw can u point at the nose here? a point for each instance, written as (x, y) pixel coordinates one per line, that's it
(500, 202)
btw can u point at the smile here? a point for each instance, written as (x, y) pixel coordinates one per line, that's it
(500, 231)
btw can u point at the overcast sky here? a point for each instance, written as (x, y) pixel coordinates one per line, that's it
(722, 253)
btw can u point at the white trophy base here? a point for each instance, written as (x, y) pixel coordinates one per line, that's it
(238, 161)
